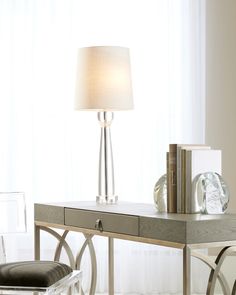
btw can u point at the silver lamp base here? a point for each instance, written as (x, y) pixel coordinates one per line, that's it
(106, 183)
(106, 199)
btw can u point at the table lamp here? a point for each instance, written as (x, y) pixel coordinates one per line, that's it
(103, 84)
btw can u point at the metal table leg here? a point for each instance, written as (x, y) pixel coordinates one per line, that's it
(186, 270)
(36, 242)
(111, 266)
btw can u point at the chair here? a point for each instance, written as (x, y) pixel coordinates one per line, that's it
(49, 277)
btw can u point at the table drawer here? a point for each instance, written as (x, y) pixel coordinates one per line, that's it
(117, 223)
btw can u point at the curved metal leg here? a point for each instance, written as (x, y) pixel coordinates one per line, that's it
(212, 265)
(62, 241)
(75, 263)
(234, 289)
(78, 260)
(60, 245)
(215, 272)
(88, 243)
(80, 254)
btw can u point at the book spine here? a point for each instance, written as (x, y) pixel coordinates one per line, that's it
(178, 180)
(188, 182)
(183, 181)
(172, 184)
(168, 180)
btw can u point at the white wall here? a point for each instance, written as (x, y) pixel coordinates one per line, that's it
(221, 95)
(221, 86)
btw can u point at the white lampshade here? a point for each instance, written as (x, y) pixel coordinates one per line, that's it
(103, 80)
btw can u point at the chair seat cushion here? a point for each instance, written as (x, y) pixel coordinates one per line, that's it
(32, 273)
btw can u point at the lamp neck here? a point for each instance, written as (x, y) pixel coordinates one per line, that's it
(105, 118)
(106, 184)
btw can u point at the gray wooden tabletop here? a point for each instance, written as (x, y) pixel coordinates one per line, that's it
(142, 220)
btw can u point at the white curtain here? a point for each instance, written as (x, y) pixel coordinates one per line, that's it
(50, 152)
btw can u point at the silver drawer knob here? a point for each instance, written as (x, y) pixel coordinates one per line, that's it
(98, 225)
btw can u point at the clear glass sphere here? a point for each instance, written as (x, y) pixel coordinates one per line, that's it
(160, 194)
(212, 193)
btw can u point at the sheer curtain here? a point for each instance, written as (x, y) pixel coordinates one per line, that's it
(50, 152)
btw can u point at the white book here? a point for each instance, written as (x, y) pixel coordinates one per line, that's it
(179, 176)
(198, 161)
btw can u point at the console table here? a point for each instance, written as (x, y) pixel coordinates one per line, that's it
(141, 223)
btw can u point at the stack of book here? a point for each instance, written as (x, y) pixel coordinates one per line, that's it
(184, 164)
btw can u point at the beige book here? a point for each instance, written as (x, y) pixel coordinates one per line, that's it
(183, 179)
(171, 180)
(180, 173)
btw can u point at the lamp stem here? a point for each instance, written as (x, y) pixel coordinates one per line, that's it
(106, 183)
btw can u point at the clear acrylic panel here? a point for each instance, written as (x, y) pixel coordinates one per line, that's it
(12, 212)
(60, 287)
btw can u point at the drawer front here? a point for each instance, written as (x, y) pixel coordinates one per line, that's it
(117, 223)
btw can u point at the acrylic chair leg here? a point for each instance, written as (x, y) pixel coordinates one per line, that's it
(2, 250)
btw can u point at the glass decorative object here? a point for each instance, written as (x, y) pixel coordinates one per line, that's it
(212, 193)
(160, 194)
